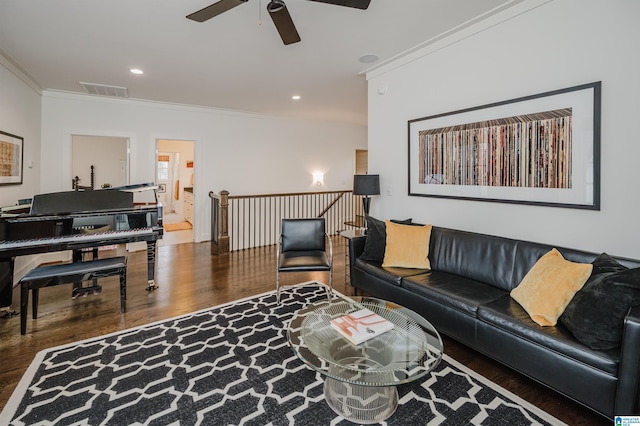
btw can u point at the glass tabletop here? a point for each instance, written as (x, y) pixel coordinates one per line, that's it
(405, 353)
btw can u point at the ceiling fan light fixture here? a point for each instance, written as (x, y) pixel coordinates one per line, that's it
(275, 6)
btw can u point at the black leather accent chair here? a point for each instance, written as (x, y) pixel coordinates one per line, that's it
(303, 248)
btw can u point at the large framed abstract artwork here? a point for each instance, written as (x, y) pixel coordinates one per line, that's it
(542, 149)
(11, 152)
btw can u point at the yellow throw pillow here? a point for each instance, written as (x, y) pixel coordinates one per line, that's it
(407, 246)
(549, 286)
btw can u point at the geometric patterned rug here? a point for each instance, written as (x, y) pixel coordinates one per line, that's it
(231, 365)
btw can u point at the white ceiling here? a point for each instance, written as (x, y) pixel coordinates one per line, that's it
(231, 61)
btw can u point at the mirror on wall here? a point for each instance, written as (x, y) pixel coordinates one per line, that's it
(109, 157)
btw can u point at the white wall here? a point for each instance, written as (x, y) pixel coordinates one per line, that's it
(242, 153)
(559, 44)
(20, 116)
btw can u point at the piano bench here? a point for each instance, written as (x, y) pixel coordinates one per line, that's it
(66, 273)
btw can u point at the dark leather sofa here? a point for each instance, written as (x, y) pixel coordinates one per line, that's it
(466, 296)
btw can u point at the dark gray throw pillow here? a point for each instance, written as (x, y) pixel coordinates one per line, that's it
(596, 313)
(376, 239)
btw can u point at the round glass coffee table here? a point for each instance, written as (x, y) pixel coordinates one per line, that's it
(360, 380)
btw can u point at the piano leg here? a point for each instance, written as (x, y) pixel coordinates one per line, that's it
(6, 286)
(151, 265)
(77, 286)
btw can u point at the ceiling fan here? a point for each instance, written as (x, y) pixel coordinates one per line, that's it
(278, 12)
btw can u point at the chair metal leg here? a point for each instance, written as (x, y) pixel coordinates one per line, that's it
(330, 294)
(277, 286)
(330, 288)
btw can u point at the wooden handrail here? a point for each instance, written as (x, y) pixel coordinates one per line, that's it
(335, 200)
(286, 194)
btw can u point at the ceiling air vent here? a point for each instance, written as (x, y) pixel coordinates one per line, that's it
(104, 90)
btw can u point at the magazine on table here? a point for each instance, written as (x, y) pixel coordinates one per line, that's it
(361, 325)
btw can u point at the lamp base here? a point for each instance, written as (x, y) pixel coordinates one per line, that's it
(366, 203)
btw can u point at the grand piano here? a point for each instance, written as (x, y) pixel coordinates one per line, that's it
(80, 221)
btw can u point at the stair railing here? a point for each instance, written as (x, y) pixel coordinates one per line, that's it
(240, 222)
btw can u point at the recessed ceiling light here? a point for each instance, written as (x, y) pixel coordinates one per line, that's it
(296, 97)
(136, 71)
(369, 58)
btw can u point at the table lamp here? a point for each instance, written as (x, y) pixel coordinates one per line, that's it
(366, 185)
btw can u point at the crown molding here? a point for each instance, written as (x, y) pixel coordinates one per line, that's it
(463, 31)
(15, 69)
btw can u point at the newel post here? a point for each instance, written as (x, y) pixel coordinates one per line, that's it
(219, 222)
(223, 239)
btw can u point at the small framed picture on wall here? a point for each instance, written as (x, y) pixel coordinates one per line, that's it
(11, 148)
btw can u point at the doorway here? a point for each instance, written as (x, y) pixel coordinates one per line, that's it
(362, 161)
(99, 161)
(166, 177)
(362, 168)
(175, 176)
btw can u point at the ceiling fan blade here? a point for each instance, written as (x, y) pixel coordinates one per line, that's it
(283, 22)
(358, 4)
(214, 10)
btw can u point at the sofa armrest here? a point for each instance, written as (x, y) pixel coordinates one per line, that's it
(356, 247)
(628, 394)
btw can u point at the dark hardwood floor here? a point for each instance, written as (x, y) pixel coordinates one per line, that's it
(190, 279)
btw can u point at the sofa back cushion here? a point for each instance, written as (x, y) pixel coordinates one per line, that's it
(484, 258)
(498, 261)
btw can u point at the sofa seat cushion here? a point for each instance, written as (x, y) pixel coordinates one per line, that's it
(462, 294)
(390, 275)
(506, 314)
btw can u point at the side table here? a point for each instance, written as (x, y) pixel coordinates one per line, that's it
(348, 235)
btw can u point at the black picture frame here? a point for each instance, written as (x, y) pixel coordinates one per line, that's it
(542, 149)
(11, 159)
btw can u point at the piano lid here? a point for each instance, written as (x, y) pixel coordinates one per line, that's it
(138, 187)
(142, 192)
(80, 201)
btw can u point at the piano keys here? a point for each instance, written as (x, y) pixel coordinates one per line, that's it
(77, 220)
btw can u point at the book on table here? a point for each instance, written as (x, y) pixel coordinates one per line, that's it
(361, 325)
